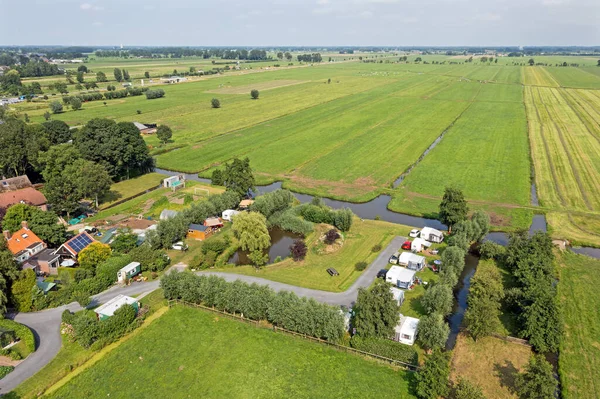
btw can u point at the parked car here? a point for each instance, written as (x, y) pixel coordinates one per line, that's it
(394, 258)
(414, 233)
(382, 273)
(179, 246)
(406, 245)
(332, 272)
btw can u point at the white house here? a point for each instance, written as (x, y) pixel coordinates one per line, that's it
(228, 214)
(432, 235)
(406, 330)
(412, 261)
(418, 244)
(400, 277)
(398, 295)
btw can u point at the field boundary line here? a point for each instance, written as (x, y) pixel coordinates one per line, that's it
(104, 351)
(256, 323)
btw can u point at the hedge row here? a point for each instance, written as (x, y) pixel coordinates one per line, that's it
(22, 332)
(257, 302)
(4, 370)
(386, 348)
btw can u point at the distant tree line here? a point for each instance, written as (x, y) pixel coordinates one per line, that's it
(314, 57)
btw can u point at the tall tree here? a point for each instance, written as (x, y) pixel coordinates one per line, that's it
(438, 299)
(91, 179)
(116, 146)
(19, 147)
(80, 77)
(432, 377)
(57, 132)
(164, 133)
(376, 312)
(101, 77)
(483, 313)
(251, 230)
(56, 159)
(433, 331)
(537, 382)
(118, 75)
(43, 223)
(62, 193)
(453, 207)
(238, 176)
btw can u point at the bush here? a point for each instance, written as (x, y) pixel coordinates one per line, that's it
(376, 248)
(56, 107)
(216, 245)
(215, 103)
(152, 94)
(254, 94)
(5, 370)
(491, 250)
(360, 266)
(298, 250)
(22, 332)
(386, 348)
(289, 221)
(331, 236)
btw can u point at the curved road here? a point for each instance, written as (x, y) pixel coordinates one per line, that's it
(46, 324)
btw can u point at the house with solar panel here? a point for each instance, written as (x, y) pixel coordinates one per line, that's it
(72, 248)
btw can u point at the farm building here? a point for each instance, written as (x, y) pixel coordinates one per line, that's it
(419, 244)
(128, 272)
(198, 231)
(432, 235)
(245, 204)
(228, 214)
(398, 295)
(400, 277)
(146, 128)
(23, 244)
(412, 261)
(173, 79)
(406, 330)
(167, 214)
(109, 308)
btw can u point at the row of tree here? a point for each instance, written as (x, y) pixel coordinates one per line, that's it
(257, 302)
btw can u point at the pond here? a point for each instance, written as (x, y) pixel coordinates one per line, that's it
(280, 246)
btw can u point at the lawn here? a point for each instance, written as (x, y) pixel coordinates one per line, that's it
(132, 187)
(214, 357)
(579, 361)
(311, 272)
(490, 363)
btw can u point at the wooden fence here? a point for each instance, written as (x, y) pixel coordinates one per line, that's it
(407, 366)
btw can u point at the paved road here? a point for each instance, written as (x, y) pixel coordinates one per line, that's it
(46, 324)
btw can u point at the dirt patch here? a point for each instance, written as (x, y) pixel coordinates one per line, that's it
(499, 220)
(273, 84)
(7, 361)
(140, 224)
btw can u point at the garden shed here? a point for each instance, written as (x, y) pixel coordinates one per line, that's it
(198, 231)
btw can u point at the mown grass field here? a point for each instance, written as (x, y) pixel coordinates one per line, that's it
(132, 187)
(352, 138)
(200, 354)
(579, 362)
(312, 271)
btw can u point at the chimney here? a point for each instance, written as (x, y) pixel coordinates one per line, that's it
(6, 234)
(24, 225)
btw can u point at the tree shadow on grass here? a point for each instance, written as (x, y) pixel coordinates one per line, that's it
(111, 196)
(507, 373)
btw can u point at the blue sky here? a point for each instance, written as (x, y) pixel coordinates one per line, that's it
(301, 22)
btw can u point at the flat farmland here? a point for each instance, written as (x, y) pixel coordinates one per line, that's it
(204, 355)
(538, 76)
(485, 153)
(564, 147)
(575, 77)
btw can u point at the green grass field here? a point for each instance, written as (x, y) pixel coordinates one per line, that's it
(193, 353)
(352, 138)
(130, 188)
(579, 362)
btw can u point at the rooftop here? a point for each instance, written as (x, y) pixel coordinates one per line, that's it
(21, 240)
(198, 227)
(14, 183)
(110, 307)
(27, 195)
(401, 273)
(76, 244)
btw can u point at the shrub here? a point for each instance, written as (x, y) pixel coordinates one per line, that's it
(331, 236)
(376, 248)
(56, 107)
(5, 370)
(360, 266)
(152, 94)
(254, 94)
(22, 332)
(491, 250)
(215, 103)
(385, 348)
(216, 245)
(298, 250)
(289, 221)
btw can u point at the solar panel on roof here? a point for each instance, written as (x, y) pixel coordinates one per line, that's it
(80, 242)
